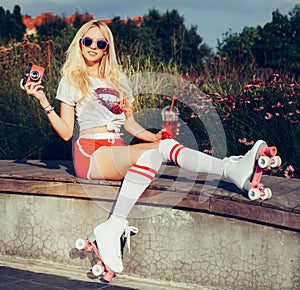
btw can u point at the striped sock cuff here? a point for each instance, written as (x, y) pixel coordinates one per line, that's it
(145, 171)
(174, 152)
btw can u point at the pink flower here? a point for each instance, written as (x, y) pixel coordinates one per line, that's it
(276, 77)
(258, 108)
(246, 141)
(225, 115)
(209, 151)
(230, 103)
(258, 98)
(278, 105)
(289, 94)
(268, 116)
(244, 100)
(289, 172)
(250, 87)
(290, 85)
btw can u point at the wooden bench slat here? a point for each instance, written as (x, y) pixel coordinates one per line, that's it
(172, 188)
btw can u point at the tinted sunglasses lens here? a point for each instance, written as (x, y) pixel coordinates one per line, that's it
(87, 41)
(101, 44)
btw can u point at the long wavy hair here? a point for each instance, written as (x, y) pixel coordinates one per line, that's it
(75, 69)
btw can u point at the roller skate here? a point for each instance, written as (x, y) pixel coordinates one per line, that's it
(100, 267)
(246, 171)
(105, 241)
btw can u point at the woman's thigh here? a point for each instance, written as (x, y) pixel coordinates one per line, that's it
(112, 162)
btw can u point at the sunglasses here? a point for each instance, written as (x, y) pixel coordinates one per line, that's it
(87, 41)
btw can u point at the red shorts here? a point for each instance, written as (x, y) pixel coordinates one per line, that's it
(85, 148)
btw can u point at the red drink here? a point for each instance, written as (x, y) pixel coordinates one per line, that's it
(169, 122)
(169, 129)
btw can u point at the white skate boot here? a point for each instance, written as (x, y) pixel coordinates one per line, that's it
(108, 236)
(239, 169)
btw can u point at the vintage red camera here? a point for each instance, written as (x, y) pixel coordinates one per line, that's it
(33, 73)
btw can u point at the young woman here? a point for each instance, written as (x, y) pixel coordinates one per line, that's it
(94, 89)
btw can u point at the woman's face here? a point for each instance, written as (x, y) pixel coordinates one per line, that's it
(89, 46)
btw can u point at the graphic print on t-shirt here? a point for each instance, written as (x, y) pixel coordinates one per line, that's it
(109, 98)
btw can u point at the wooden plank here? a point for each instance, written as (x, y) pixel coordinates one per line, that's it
(195, 202)
(98, 182)
(255, 213)
(175, 199)
(286, 193)
(297, 210)
(35, 169)
(171, 187)
(33, 187)
(58, 189)
(226, 190)
(103, 192)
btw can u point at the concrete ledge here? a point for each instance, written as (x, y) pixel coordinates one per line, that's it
(200, 230)
(172, 188)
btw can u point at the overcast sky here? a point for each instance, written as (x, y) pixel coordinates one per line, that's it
(212, 17)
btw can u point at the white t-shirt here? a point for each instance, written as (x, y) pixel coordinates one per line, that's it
(100, 109)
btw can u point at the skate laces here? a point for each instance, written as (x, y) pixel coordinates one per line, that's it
(127, 234)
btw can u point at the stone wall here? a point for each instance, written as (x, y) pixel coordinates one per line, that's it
(172, 245)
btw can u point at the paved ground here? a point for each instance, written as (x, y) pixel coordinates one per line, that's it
(27, 276)
(13, 279)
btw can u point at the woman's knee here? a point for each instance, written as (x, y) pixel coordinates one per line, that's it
(151, 157)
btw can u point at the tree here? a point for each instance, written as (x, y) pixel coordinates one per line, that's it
(275, 45)
(163, 37)
(12, 26)
(51, 28)
(238, 47)
(295, 39)
(18, 28)
(183, 46)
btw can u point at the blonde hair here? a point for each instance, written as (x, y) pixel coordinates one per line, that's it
(75, 69)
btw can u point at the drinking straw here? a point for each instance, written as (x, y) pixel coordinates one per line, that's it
(171, 107)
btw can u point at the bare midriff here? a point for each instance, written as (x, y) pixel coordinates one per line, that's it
(96, 130)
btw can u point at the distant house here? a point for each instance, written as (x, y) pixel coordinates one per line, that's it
(31, 23)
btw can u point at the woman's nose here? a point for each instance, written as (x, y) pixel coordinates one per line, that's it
(94, 44)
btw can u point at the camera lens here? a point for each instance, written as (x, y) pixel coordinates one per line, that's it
(34, 75)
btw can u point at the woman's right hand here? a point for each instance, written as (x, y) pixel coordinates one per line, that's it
(34, 89)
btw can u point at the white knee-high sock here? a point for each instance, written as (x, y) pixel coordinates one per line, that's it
(136, 180)
(190, 159)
